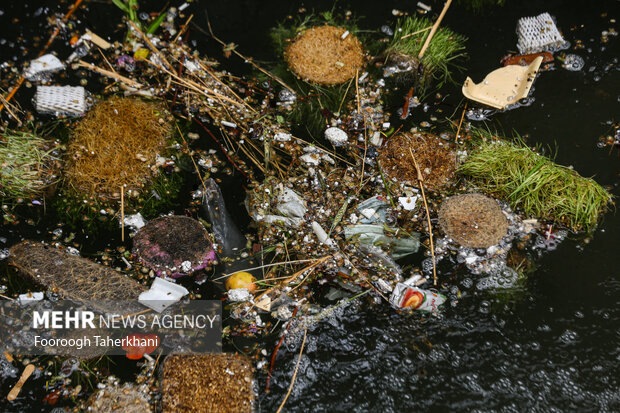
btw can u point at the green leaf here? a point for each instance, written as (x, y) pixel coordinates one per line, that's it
(121, 6)
(156, 23)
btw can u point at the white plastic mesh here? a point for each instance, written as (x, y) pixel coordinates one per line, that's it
(538, 34)
(61, 100)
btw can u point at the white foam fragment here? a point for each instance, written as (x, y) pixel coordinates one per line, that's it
(162, 295)
(239, 294)
(30, 298)
(408, 202)
(336, 136)
(282, 137)
(538, 34)
(135, 221)
(47, 63)
(60, 100)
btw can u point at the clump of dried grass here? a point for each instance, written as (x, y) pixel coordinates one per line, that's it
(116, 145)
(320, 55)
(434, 156)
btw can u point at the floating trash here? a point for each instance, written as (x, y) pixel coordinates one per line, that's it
(162, 294)
(43, 66)
(61, 100)
(539, 34)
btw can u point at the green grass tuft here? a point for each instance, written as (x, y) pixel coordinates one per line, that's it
(445, 47)
(535, 184)
(25, 165)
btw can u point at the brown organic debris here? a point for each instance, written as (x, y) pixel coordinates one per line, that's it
(207, 383)
(322, 56)
(72, 277)
(473, 220)
(433, 154)
(115, 145)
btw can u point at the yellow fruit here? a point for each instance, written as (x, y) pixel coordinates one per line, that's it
(241, 279)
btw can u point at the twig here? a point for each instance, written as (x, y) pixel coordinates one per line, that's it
(41, 53)
(263, 266)
(108, 73)
(416, 32)
(122, 213)
(456, 138)
(428, 215)
(290, 387)
(434, 29)
(246, 59)
(183, 28)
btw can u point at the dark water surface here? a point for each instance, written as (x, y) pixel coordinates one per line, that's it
(552, 346)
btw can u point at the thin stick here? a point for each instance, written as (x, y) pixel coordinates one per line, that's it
(416, 32)
(183, 28)
(428, 215)
(434, 29)
(122, 213)
(456, 138)
(264, 266)
(290, 388)
(108, 73)
(246, 59)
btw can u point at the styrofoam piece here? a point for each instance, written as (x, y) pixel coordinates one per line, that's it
(135, 221)
(30, 298)
(539, 34)
(162, 295)
(336, 136)
(504, 86)
(48, 63)
(61, 100)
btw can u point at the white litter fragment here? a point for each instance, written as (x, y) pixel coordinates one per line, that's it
(336, 136)
(135, 221)
(344, 35)
(30, 298)
(408, 202)
(162, 295)
(239, 294)
(61, 100)
(47, 63)
(424, 7)
(538, 34)
(183, 6)
(321, 234)
(228, 124)
(282, 137)
(4, 254)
